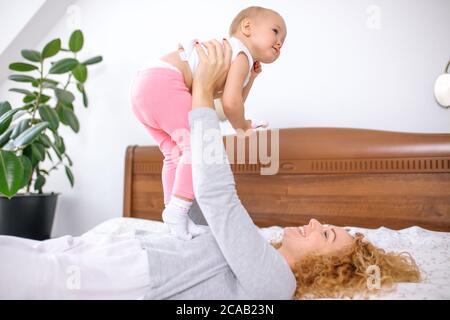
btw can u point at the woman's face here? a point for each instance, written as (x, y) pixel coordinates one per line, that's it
(313, 237)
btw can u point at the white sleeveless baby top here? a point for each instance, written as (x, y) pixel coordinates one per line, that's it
(190, 54)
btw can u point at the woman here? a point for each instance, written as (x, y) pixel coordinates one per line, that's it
(228, 260)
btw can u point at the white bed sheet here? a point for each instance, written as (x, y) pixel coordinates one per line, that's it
(430, 249)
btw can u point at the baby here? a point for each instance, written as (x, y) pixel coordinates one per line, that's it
(161, 100)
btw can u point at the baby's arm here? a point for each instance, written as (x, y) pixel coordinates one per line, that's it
(247, 88)
(232, 98)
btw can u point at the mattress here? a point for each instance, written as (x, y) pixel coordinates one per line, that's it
(430, 249)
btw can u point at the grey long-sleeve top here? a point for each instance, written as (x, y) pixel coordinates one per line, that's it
(231, 260)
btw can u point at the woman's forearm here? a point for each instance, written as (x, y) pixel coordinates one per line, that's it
(234, 231)
(202, 97)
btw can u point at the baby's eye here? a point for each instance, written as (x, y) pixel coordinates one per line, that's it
(325, 234)
(275, 30)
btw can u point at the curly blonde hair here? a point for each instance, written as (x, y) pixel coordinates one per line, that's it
(349, 271)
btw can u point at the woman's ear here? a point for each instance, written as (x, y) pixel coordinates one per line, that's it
(246, 26)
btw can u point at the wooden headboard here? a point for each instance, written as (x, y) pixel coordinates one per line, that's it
(340, 176)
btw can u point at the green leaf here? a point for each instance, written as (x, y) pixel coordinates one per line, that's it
(43, 98)
(29, 154)
(27, 171)
(85, 99)
(69, 105)
(49, 114)
(28, 99)
(27, 107)
(4, 107)
(23, 91)
(11, 173)
(71, 119)
(93, 60)
(63, 65)
(4, 138)
(31, 55)
(46, 83)
(70, 160)
(6, 118)
(69, 175)
(58, 153)
(56, 138)
(39, 183)
(49, 155)
(81, 88)
(80, 73)
(38, 151)
(76, 41)
(45, 140)
(55, 147)
(21, 78)
(64, 96)
(61, 145)
(51, 48)
(30, 134)
(20, 127)
(20, 66)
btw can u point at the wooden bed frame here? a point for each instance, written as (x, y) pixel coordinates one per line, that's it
(340, 176)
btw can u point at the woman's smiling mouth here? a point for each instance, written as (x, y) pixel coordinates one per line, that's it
(297, 230)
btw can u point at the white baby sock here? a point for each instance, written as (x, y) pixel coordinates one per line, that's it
(176, 217)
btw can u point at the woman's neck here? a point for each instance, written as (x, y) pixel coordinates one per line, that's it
(287, 257)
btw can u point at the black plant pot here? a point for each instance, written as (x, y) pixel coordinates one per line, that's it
(28, 215)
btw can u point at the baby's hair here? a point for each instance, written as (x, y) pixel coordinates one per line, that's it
(250, 12)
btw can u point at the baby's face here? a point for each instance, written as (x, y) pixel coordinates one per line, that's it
(268, 36)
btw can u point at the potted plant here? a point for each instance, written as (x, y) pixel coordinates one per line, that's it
(29, 135)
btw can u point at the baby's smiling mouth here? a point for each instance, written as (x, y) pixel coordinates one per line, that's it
(276, 50)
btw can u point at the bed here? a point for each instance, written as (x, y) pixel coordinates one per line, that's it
(392, 186)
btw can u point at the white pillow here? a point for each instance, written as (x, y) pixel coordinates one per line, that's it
(122, 225)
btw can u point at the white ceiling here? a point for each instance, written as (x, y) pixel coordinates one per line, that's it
(14, 15)
(23, 24)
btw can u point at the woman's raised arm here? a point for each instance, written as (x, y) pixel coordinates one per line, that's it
(261, 271)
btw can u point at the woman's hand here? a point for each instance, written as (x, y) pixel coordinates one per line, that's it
(211, 72)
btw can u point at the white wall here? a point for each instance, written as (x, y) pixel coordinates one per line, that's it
(340, 67)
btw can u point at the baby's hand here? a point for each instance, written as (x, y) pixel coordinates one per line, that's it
(248, 125)
(257, 69)
(259, 124)
(247, 130)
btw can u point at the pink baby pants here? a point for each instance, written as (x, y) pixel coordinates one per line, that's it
(161, 101)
